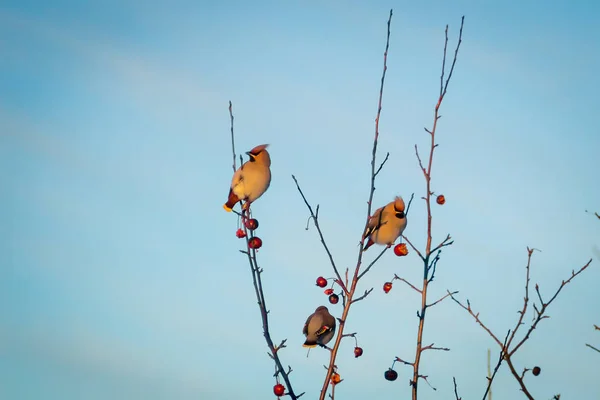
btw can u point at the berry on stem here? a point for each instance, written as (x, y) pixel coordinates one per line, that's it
(255, 243)
(335, 378)
(328, 291)
(390, 375)
(279, 389)
(358, 351)
(387, 287)
(400, 249)
(251, 224)
(321, 282)
(240, 233)
(536, 370)
(441, 199)
(333, 299)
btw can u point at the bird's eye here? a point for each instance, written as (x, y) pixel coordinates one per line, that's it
(400, 214)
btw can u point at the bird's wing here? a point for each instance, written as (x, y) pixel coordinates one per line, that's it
(324, 329)
(374, 222)
(305, 329)
(237, 177)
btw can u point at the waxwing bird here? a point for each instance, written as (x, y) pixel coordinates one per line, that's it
(252, 179)
(319, 328)
(386, 224)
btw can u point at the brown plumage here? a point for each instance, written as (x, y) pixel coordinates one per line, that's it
(319, 328)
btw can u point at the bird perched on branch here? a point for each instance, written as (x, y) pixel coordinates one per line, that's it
(386, 224)
(319, 328)
(252, 179)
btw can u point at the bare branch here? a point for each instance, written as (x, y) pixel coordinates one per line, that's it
(545, 306)
(476, 316)
(432, 347)
(445, 242)
(232, 137)
(367, 292)
(442, 298)
(443, 93)
(424, 377)
(315, 219)
(381, 165)
(404, 362)
(414, 248)
(500, 359)
(408, 283)
(412, 196)
(526, 299)
(456, 390)
(373, 262)
(421, 162)
(592, 347)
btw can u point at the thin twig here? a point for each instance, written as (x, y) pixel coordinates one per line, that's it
(408, 283)
(373, 262)
(445, 242)
(442, 298)
(382, 164)
(432, 347)
(315, 219)
(367, 292)
(232, 137)
(414, 248)
(488, 390)
(545, 307)
(592, 347)
(412, 196)
(526, 299)
(476, 316)
(404, 362)
(456, 390)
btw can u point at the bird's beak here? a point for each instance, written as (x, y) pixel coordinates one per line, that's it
(248, 153)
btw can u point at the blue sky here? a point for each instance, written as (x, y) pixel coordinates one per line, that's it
(120, 272)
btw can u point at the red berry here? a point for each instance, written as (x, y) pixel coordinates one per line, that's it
(335, 378)
(387, 287)
(240, 233)
(358, 352)
(333, 299)
(328, 291)
(390, 375)
(255, 243)
(251, 224)
(279, 389)
(441, 199)
(536, 371)
(321, 282)
(401, 250)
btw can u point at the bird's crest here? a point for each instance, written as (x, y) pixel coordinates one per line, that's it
(399, 204)
(255, 151)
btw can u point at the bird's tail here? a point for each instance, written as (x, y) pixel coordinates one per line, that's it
(310, 343)
(231, 200)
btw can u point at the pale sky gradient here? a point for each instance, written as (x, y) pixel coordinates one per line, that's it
(120, 276)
